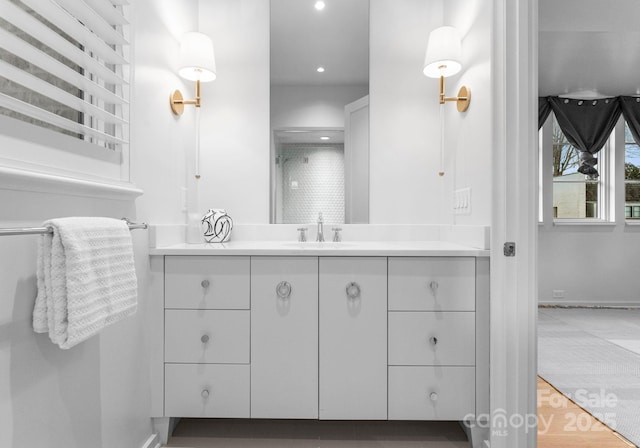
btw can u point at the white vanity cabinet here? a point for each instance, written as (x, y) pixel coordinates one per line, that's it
(318, 337)
(307, 336)
(284, 337)
(353, 338)
(432, 338)
(206, 337)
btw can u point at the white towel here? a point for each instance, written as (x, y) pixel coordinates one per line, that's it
(86, 278)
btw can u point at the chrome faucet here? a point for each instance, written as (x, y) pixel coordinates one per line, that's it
(320, 236)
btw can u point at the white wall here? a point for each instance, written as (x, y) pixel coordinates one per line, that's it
(469, 134)
(589, 264)
(235, 111)
(404, 116)
(94, 394)
(405, 125)
(97, 393)
(593, 265)
(312, 106)
(160, 141)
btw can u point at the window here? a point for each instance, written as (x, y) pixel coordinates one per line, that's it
(631, 176)
(64, 67)
(574, 195)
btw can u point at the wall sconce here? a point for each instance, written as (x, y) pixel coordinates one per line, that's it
(197, 63)
(443, 57)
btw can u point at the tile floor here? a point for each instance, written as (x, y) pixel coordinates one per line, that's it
(203, 433)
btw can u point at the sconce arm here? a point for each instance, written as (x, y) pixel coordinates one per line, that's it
(178, 102)
(463, 99)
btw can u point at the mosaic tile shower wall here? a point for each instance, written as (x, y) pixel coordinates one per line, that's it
(312, 182)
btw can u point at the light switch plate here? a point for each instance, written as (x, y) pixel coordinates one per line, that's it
(462, 201)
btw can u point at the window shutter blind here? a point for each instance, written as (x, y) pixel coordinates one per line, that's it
(64, 66)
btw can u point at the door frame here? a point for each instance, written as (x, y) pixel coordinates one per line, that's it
(513, 310)
(350, 142)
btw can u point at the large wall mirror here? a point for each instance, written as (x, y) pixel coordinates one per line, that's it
(319, 111)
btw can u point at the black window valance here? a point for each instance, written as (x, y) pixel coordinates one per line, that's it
(544, 109)
(630, 106)
(587, 125)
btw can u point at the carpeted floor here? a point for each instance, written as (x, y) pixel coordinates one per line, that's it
(593, 357)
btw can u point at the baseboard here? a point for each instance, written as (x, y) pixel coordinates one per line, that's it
(152, 442)
(173, 422)
(588, 304)
(164, 427)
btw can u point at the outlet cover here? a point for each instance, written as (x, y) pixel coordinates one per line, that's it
(558, 293)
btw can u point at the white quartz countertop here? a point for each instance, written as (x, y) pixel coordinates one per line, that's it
(346, 248)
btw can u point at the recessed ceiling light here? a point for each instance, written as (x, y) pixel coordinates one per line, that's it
(319, 5)
(325, 138)
(320, 69)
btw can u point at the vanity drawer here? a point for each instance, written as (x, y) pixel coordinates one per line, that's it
(431, 393)
(432, 283)
(207, 390)
(207, 336)
(432, 338)
(206, 282)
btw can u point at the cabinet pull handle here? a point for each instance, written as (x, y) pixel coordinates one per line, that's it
(433, 396)
(204, 338)
(434, 287)
(205, 393)
(205, 284)
(353, 290)
(283, 290)
(433, 340)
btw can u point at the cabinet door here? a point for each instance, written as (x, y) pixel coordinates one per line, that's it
(284, 337)
(353, 338)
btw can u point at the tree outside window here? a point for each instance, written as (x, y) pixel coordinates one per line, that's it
(631, 176)
(574, 196)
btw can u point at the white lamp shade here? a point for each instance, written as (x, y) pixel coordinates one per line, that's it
(197, 60)
(444, 53)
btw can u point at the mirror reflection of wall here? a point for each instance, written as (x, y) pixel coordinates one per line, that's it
(304, 39)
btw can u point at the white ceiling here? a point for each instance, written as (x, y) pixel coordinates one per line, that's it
(303, 39)
(589, 45)
(584, 45)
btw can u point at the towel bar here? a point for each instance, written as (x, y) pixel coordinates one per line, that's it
(42, 230)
